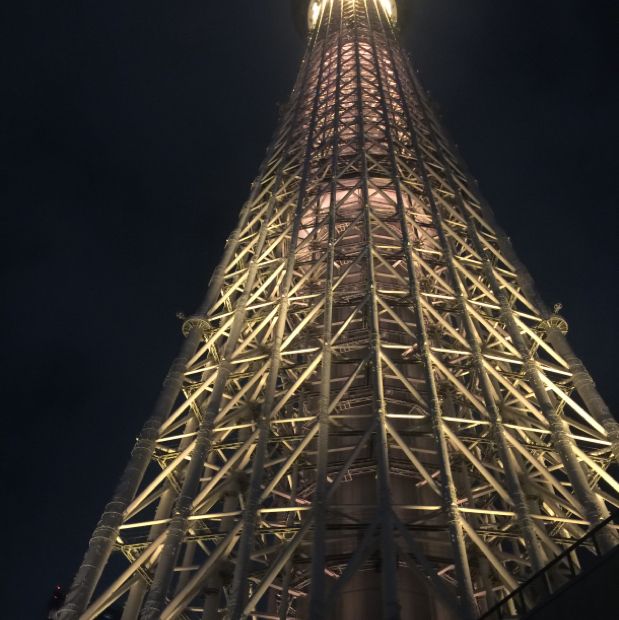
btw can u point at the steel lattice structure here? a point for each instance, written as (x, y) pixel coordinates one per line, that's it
(372, 412)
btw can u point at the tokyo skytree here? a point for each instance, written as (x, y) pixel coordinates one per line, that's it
(373, 414)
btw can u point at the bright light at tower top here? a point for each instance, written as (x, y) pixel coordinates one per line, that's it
(314, 13)
(388, 7)
(317, 6)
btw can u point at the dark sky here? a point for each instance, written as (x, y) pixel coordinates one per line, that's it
(130, 134)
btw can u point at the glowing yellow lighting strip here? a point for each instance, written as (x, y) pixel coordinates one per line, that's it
(314, 13)
(387, 6)
(317, 6)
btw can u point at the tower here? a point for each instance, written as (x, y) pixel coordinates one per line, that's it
(372, 413)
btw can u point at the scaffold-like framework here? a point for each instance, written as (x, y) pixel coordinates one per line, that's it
(372, 411)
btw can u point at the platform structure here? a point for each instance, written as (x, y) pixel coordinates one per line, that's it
(373, 414)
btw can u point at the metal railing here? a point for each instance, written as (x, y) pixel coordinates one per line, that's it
(583, 554)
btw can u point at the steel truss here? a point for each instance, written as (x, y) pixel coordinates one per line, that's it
(371, 397)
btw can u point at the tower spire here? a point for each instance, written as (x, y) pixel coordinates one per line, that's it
(372, 413)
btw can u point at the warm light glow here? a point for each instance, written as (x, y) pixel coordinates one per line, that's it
(316, 7)
(314, 13)
(387, 6)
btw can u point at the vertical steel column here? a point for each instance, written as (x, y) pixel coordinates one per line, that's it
(483, 565)
(288, 570)
(450, 500)
(389, 589)
(166, 503)
(239, 583)
(216, 581)
(525, 522)
(138, 590)
(317, 589)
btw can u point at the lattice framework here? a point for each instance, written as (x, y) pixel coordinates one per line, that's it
(369, 335)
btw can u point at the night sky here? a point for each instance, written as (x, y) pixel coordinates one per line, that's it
(131, 132)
